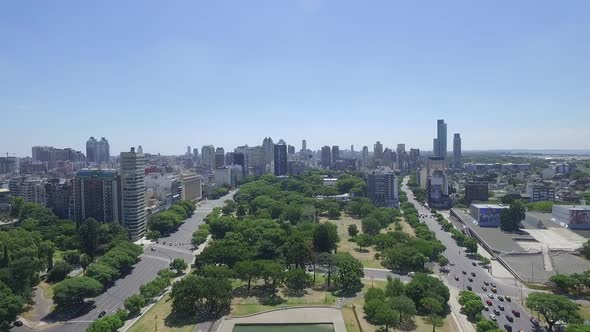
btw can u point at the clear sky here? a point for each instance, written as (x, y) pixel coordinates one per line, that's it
(167, 74)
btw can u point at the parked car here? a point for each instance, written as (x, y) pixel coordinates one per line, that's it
(493, 284)
(469, 288)
(494, 290)
(534, 321)
(501, 307)
(18, 323)
(508, 298)
(509, 318)
(456, 278)
(488, 302)
(484, 288)
(508, 327)
(464, 272)
(474, 263)
(500, 298)
(470, 279)
(490, 295)
(485, 282)
(486, 308)
(493, 317)
(153, 249)
(496, 311)
(516, 313)
(473, 274)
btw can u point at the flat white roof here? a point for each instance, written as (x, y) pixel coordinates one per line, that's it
(490, 206)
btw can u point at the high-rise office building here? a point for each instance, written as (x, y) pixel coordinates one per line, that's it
(351, 148)
(457, 151)
(378, 151)
(98, 151)
(207, 158)
(188, 150)
(219, 158)
(326, 157)
(335, 154)
(51, 154)
(133, 192)
(382, 187)
(290, 149)
(8, 165)
(97, 194)
(365, 156)
(268, 146)
(440, 144)
(280, 158)
(414, 158)
(58, 194)
(195, 153)
(303, 145)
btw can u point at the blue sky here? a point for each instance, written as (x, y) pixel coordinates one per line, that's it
(166, 74)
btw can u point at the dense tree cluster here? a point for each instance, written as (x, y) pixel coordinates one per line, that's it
(114, 262)
(397, 305)
(510, 218)
(109, 323)
(168, 221)
(553, 308)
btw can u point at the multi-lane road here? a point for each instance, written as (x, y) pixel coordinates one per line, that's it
(462, 268)
(178, 245)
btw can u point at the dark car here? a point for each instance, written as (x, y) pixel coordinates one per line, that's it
(470, 279)
(500, 298)
(496, 311)
(463, 272)
(474, 263)
(501, 307)
(486, 283)
(102, 313)
(473, 274)
(484, 288)
(18, 323)
(534, 321)
(488, 302)
(516, 313)
(508, 298)
(493, 284)
(456, 278)
(469, 288)
(509, 318)
(508, 327)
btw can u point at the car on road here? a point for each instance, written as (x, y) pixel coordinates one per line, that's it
(486, 308)
(496, 311)
(473, 274)
(153, 249)
(507, 327)
(488, 302)
(534, 321)
(102, 313)
(500, 298)
(508, 298)
(411, 274)
(469, 288)
(474, 263)
(164, 242)
(493, 284)
(501, 307)
(490, 295)
(493, 317)
(456, 278)
(516, 313)
(18, 323)
(470, 279)
(464, 272)
(485, 282)
(484, 288)
(509, 318)
(494, 290)
(451, 264)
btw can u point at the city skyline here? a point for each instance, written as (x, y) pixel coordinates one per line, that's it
(169, 76)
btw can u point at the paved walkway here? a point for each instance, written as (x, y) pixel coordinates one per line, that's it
(315, 315)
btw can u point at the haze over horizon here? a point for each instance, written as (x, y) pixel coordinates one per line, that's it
(505, 75)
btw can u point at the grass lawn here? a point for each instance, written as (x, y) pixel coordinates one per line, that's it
(250, 304)
(585, 312)
(159, 317)
(367, 255)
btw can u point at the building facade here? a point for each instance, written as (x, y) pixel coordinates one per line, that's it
(487, 215)
(207, 158)
(191, 184)
(457, 151)
(97, 194)
(326, 157)
(476, 191)
(133, 192)
(540, 191)
(280, 158)
(382, 187)
(98, 151)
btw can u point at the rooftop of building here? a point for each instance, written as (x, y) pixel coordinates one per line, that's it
(4, 190)
(575, 207)
(489, 206)
(99, 173)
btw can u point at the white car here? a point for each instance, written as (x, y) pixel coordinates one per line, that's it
(490, 295)
(493, 317)
(451, 264)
